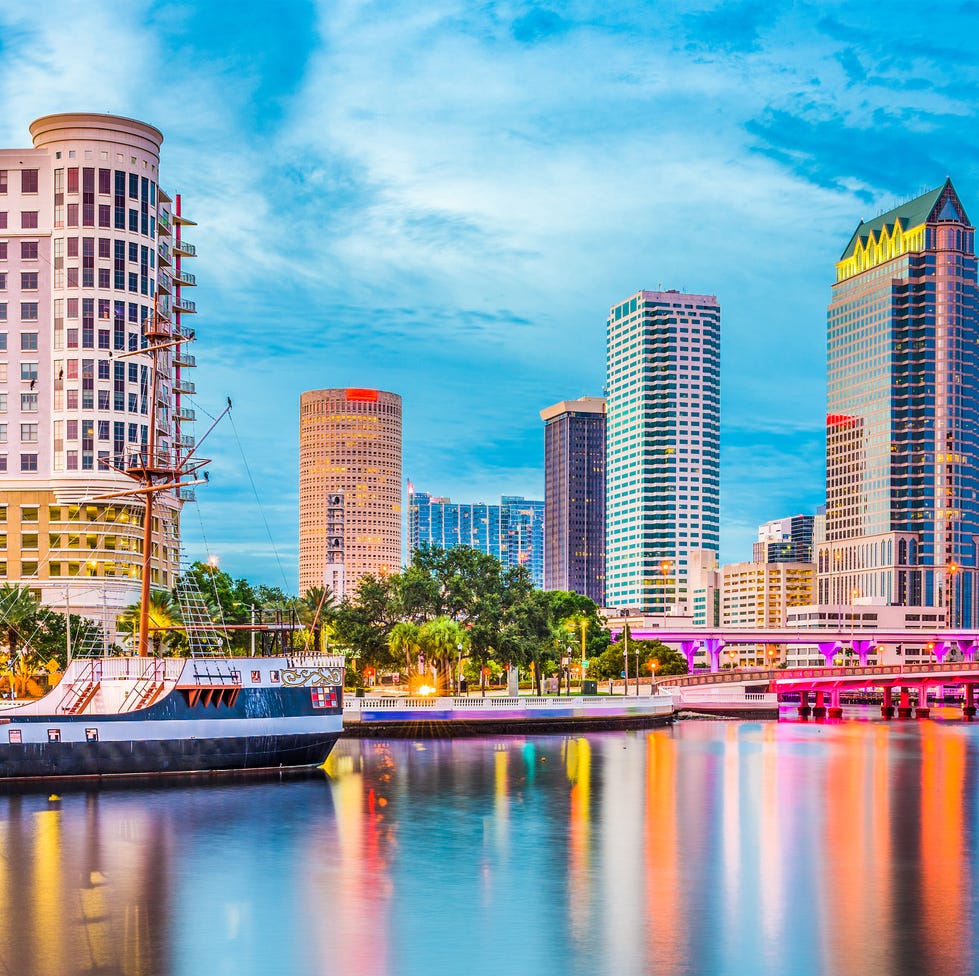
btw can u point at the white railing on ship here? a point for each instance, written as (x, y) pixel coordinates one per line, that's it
(164, 668)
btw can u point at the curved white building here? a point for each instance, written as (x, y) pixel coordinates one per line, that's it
(89, 243)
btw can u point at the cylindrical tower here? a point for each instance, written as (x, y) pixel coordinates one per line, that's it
(349, 487)
(86, 239)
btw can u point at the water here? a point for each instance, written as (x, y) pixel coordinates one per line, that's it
(707, 848)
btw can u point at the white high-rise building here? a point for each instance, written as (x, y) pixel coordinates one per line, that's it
(663, 451)
(89, 243)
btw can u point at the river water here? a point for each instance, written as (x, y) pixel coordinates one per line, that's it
(704, 848)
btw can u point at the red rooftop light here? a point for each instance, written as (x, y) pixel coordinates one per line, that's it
(362, 396)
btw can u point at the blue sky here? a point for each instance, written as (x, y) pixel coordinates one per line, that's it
(444, 198)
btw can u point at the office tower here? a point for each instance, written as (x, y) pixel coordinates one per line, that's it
(759, 595)
(902, 425)
(787, 540)
(512, 531)
(349, 487)
(90, 243)
(440, 522)
(522, 524)
(663, 445)
(574, 497)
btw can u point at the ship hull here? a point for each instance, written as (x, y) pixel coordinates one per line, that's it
(233, 753)
(199, 717)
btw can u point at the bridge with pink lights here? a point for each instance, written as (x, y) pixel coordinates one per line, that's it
(829, 641)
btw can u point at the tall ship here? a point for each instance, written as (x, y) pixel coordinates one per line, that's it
(140, 712)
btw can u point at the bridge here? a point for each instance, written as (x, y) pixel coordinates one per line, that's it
(828, 685)
(829, 640)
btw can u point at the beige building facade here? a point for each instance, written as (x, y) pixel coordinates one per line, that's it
(350, 487)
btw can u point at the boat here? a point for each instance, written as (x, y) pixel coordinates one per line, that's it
(206, 712)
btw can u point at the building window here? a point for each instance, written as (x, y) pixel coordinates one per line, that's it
(28, 372)
(28, 311)
(28, 280)
(28, 181)
(28, 342)
(28, 433)
(28, 403)
(28, 219)
(28, 462)
(28, 250)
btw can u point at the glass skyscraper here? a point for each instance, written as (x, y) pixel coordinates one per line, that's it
(512, 531)
(663, 392)
(902, 425)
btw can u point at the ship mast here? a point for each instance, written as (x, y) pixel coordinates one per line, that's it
(156, 468)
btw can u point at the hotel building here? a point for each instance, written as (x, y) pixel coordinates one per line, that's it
(787, 540)
(663, 445)
(349, 487)
(902, 425)
(90, 245)
(574, 497)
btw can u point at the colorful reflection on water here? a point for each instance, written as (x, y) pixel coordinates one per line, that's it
(708, 847)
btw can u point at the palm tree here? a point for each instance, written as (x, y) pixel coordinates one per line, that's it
(18, 615)
(404, 639)
(441, 639)
(163, 613)
(316, 610)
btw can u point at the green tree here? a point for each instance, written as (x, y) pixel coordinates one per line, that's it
(440, 641)
(229, 600)
(404, 641)
(19, 610)
(164, 613)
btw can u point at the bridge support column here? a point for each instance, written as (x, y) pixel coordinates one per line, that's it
(804, 710)
(835, 705)
(828, 650)
(863, 649)
(969, 706)
(904, 704)
(689, 649)
(922, 711)
(968, 649)
(887, 705)
(940, 649)
(713, 647)
(819, 709)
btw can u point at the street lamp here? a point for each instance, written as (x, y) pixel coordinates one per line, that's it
(584, 626)
(625, 657)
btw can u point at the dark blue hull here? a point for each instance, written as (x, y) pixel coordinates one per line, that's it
(73, 759)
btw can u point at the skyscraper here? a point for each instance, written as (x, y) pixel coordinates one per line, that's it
(663, 444)
(787, 540)
(512, 531)
(90, 243)
(574, 497)
(349, 487)
(902, 424)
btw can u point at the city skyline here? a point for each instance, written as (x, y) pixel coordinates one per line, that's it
(428, 203)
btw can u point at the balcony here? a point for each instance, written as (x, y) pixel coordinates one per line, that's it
(182, 358)
(184, 249)
(185, 387)
(185, 279)
(187, 440)
(184, 221)
(188, 494)
(163, 284)
(163, 224)
(164, 253)
(185, 305)
(186, 415)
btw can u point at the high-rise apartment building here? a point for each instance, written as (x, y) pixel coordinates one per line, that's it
(902, 425)
(663, 392)
(512, 531)
(349, 487)
(574, 497)
(91, 247)
(787, 540)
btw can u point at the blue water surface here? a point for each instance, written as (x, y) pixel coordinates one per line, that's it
(729, 848)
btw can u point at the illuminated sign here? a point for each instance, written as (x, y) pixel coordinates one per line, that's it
(362, 396)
